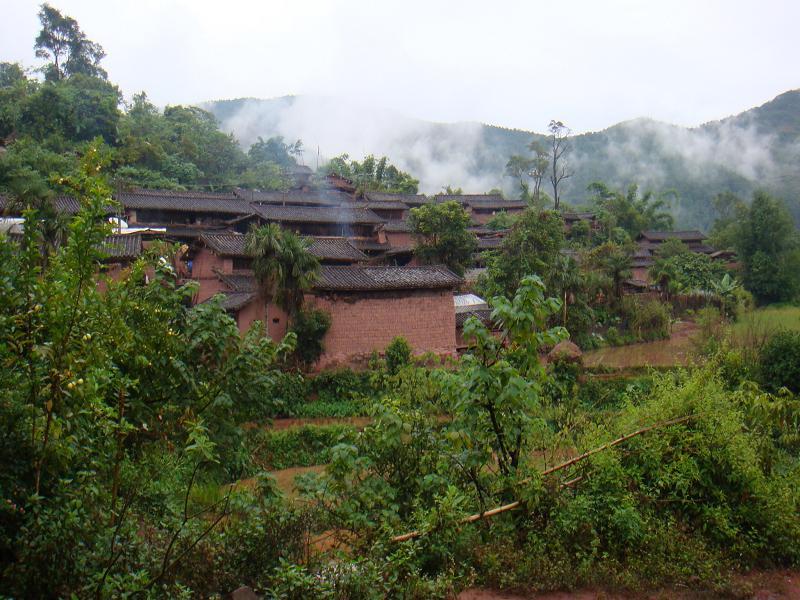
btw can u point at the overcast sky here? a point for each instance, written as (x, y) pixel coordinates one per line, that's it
(589, 63)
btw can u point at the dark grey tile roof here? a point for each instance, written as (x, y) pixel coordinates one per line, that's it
(406, 199)
(397, 226)
(324, 248)
(233, 301)
(694, 235)
(369, 278)
(222, 202)
(482, 201)
(62, 204)
(308, 214)
(333, 248)
(122, 246)
(579, 216)
(295, 198)
(486, 243)
(238, 282)
(385, 205)
(225, 244)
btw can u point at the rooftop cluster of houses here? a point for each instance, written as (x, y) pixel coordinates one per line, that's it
(369, 281)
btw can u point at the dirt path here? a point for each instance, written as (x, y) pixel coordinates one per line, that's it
(760, 585)
(674, 352)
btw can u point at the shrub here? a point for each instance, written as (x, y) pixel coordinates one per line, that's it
(398, 354)
(296, 447)
(779, 363)
(310, 326)
(648, 320)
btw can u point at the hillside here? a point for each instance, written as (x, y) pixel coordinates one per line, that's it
(756, 148)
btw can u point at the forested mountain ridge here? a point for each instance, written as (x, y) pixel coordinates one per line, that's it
(756, 148)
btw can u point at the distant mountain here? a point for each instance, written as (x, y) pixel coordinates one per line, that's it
(757, 148)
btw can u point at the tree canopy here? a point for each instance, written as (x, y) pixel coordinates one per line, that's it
(442, 234)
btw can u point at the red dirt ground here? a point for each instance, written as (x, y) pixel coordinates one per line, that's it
(674, 352)
(768, 585)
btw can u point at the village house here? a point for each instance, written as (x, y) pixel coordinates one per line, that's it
(648, 242)
(482, 207)
(369, 305)
(185, 215)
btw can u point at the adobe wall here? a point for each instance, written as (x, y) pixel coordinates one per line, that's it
(400, 239)
(640, 273)
(363, 322)
(250, 313)
(203, 265)
(271, 315)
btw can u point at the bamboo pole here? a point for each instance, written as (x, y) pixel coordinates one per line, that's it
(516, 504)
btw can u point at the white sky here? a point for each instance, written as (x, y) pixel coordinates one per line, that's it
(516, 64)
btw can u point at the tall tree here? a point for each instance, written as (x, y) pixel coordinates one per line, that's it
(559, 148)
(531, 248)
(539, 164)
(62, 42)
(768, 246)
(442, 235)
(632, 211)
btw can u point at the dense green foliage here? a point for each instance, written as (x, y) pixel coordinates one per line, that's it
(310, 326)
(442, 236)
(779, 362)
(373, 175)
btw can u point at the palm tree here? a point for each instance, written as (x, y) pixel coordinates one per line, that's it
(568, 279)
(299, 271)
(264, 244)
(283, 264)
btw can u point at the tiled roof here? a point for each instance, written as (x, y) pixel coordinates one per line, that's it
(655, 236)
(493, 204)
(406, 199)
(374, 278)
(397, 226)
(62, 204)
(184, 201)
(486, 243)
(233, 301)
(386, 205)
(295, 198)
(323, 214)
(225, 244)
(336, 248)
(122, 246)
(579, 216)
(324, 248)
(467, 198)
(238, 282)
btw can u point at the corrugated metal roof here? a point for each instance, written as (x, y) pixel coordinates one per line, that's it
(465, 302)
(369, 278)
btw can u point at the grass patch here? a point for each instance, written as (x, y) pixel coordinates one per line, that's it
(296, 447)
(765, 322)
